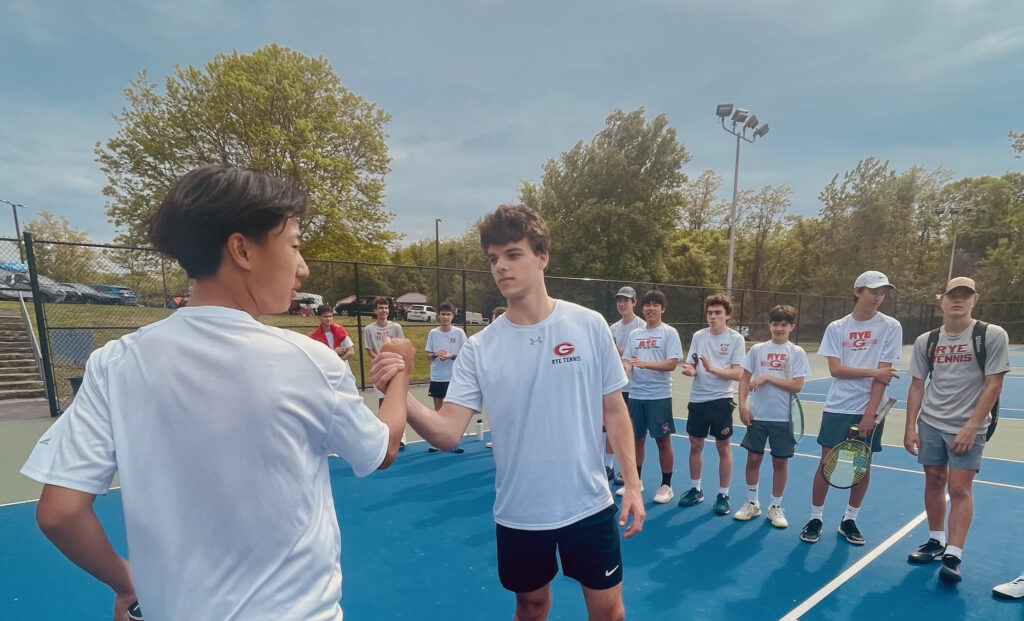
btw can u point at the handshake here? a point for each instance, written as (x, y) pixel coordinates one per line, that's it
(396, 356)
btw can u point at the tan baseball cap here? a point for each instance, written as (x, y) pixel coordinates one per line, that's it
(958, 282)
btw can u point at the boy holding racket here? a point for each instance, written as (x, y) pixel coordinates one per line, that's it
(861, 348)
(772, 372)
(949, 435)
(550, 375)
(218, 425)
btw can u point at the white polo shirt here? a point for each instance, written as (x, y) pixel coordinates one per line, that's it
(544, 387)
(219, 428)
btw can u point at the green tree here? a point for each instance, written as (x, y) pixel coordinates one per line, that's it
(1017, 142)
(612, 204)
(701, 210)
(274, 110)
(763, 220)
(64, 262)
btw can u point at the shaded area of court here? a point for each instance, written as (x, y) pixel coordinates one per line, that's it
(418, 543)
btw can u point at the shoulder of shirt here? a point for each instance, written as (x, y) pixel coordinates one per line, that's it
(995, 330)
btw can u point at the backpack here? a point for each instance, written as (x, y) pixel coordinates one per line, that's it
(978, 340)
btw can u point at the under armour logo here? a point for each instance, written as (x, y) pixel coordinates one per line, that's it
(537, 341)
(44, 441)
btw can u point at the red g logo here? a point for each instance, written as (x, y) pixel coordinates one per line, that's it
(859, 342)
(564, 349)
(776, 364)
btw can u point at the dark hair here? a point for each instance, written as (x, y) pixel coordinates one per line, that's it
(445, 307)
(718, 299)
(511, 223)
(206, 206)
(498, 312)
(324, 308)
(783, 312)
(654, 296)
(381, 301)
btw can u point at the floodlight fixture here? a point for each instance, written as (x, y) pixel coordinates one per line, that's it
(724, 110)
(739, 115)
(761, 131)
(751, 122)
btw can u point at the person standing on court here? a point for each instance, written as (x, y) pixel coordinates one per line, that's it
(715, 361)
(947, 420)
(443, 345)
(861, 349)
(218, 425)
(377, 332)
(649, 357)
(625, 303)
(549, 375)
(331, 334)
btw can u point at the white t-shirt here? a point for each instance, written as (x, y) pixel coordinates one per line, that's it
(330, 340)
(219, 428)
(652, 345)
(450, 341)
(723, 350)
(619, 333)
(863, 345)
(543, 386)
(769, 402)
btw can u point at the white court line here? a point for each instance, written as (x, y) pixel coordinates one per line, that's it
(852, 570)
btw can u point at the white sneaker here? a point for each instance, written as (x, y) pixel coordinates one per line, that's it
(663, 495)
(1014, 589)
(747, 511)
(777, 516)
(622, 490)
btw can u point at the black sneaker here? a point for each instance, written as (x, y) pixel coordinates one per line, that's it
(931, 551)
(610, 474)
(401, 445)
(433, 449)
(950, 570)
(848, 529)
(812, 531)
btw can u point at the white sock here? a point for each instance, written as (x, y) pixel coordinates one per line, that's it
(695, 484)
(752, 493)
(851, 513)
(954, 551)
(776, 501)
(609, 461)
(938, 535)
(817, 512)
(723, 490)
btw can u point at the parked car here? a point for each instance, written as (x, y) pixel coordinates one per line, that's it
(421, 312)
(305, 304)
(49, 291)
(124, 294)
(363, 305)
(89, 295)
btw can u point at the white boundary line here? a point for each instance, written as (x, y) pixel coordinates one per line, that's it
(852, 570)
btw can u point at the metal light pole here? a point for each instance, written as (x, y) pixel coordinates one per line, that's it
(437, 259)
(17, 228)
(956, 214)
(746, 121)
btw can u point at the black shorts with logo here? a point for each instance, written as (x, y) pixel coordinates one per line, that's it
(710, 417)
(589, 550)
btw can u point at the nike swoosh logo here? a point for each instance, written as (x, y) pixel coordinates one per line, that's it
(610, 571)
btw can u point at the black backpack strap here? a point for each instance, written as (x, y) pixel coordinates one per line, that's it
(933, 342)
(978, 339)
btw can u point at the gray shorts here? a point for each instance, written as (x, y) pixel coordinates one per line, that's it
(777, 434)
(935, 449)
(652, 416)
(834, 428)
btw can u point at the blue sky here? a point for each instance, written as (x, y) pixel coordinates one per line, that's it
(483, 92)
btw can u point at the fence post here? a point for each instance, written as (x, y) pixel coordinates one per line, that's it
(359, 327)
(163, 277)
(799, 305)
(44, 337)
(465, 311)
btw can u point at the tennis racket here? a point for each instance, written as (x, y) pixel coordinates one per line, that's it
(849, 461)
(796, 409)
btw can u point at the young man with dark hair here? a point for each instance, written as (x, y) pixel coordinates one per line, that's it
(714, 361)
(331, 334)
(650, 355)
(214, 534)
(443, 345)
(375, 334)
(549, 375)
(862, 349)
(625, 302)
(772, 372)
(955, 413)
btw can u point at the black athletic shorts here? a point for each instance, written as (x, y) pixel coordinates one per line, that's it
(589, 550)
(710, 417)
(438, 389)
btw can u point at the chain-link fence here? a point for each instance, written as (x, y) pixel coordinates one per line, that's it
(88, 294)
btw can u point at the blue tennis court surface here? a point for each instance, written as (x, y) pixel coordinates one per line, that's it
(1011, 402)
(418, 543)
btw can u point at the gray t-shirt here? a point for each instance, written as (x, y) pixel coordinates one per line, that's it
(373, 335)
(957, 381)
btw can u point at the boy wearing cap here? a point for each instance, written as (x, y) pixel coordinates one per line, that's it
(949, 436)
(861, 348)
(625, 303)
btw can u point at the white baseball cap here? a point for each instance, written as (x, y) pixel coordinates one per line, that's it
(872, 280)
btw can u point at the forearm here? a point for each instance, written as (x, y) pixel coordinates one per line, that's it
(732, 373)
(744, 390)
(620, 436)
(438, 427)
(993, 387)
(914, 397)
(877, 392)
(795, 384)
(841, 371)
(393, 414)
(661, 365)
(347, 353)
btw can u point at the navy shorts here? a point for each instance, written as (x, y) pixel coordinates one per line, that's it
(835, 428)
(652, 416)
(772, 433)
(589, 550)
(710, 418)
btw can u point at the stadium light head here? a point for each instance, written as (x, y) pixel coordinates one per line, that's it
(739, 115)
(761, 131)
(724, 110)
(751, 122)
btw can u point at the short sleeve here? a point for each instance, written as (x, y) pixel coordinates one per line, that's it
(831, 344)
(892, 350)
(997, 354)
(354, 433)
(464, 387)
(673, 345)
(738, 353)
(750, 360)
(919, 357)
(612, 374)
(627, 347)
(430, 342)
(398, 329)
(347, 342)
(801, 365)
